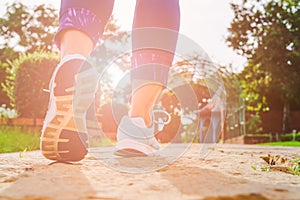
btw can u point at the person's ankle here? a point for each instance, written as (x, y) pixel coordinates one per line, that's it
(147, 120)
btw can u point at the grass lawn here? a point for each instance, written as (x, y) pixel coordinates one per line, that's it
(13, 139)
(287, 143)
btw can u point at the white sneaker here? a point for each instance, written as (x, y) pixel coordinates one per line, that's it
(134, 138)
(64, 134)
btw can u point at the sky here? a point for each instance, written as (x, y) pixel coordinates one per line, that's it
(203, 21)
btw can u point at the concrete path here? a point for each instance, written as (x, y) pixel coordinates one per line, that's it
(219, 172)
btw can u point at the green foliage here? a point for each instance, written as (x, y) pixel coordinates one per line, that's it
(286, 143)
(13, 139)
(24, 28)
(295, 166)
(32, 28)
(253, 122)
(290, 137)
(21, 155)
(254, 83)
(27, 76)
(267, 33)
(265, 169)
(102, 142)
(289, 165)
(3, 97)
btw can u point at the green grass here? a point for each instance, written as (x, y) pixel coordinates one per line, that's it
(13, 139)
(286, 143)
(101, 142)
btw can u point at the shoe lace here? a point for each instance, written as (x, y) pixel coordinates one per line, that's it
(161, 118)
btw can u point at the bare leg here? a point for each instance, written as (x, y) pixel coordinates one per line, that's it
(143, 101)
(64, 134)
(83, 45)
(159, 14)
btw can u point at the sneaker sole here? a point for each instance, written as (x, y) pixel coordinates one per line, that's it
(59, 140)
(65, 146)
(131, 148)
(63, 137)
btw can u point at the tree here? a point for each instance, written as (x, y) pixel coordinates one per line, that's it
(27, 29)
(254, 83)
(268, 34)
(24, 28)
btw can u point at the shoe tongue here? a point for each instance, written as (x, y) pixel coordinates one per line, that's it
(138, 121)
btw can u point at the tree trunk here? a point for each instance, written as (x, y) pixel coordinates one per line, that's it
(286, 117)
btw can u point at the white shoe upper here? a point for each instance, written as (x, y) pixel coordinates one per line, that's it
(51, 113)
(134, 132)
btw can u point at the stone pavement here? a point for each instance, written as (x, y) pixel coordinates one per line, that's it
(226, 172)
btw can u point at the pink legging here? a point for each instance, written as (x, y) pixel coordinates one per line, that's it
(91, 17)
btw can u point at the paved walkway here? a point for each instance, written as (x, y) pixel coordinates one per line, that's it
(227, 172)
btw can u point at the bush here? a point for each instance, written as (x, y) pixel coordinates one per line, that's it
(4, 100)
(27, 76)
(289, 137)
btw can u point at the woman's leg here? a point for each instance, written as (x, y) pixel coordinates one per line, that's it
(81, 24)
(150, 65)
(64, 134)
(83, 45)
